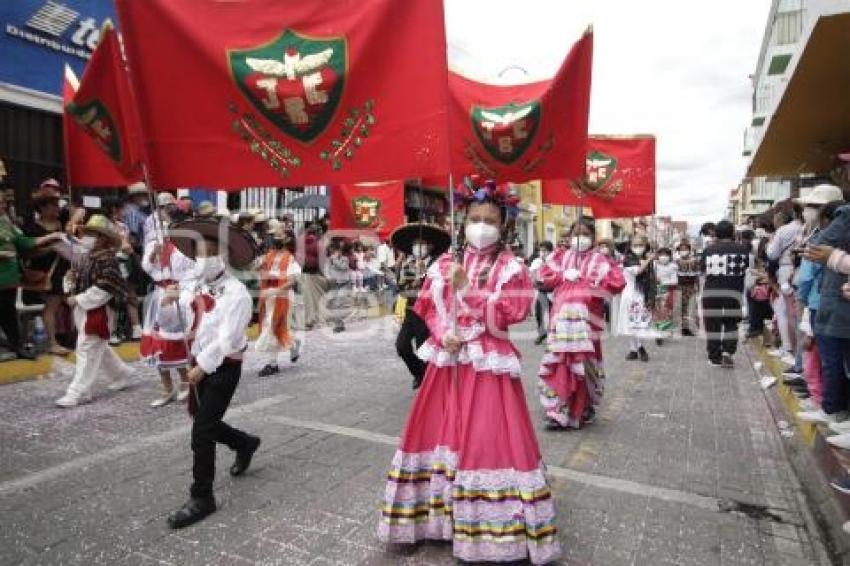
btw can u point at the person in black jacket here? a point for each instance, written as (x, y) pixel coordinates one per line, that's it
(725, 263)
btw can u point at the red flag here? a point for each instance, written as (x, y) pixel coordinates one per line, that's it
(619, 179)
(102, 110)
(378, 207)
(523, 132)
(85, 163)
(264, 92)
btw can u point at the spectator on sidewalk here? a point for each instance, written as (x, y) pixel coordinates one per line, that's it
(688, 278)
(541, 296)
(314, 284)
(725, 263)
(136, 213)
(780, 255)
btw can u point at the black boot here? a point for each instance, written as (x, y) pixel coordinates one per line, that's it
(243, 457)
(687, 332)
(192, 511)
(642, 353)
(632, 356)
(270, 369)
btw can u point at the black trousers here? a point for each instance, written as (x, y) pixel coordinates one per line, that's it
(721, 317)
(541, 313)
(214, 393)
(758, 312)
(413, 331)
(9, 317)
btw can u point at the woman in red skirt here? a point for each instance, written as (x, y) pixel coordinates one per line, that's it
(571, 372)
(469, 468)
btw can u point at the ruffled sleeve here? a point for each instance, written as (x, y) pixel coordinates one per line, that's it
(613, 281)
(512, 300)
(431, 304)
(551, 274)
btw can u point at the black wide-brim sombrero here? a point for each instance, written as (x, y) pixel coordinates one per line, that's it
(402, 238)
(241, 246)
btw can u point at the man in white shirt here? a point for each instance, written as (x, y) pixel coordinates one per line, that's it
(219, 311)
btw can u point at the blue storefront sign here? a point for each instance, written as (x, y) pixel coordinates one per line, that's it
(38, 37)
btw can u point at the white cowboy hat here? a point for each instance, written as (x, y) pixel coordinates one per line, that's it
(821, 195)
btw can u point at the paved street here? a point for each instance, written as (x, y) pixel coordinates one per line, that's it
(684, 466)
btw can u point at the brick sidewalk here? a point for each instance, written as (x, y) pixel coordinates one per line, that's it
(683, 466)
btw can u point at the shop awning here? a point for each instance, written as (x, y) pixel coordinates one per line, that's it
(811, 123)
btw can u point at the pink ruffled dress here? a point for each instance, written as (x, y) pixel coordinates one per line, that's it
(469, 468)
(571, 372)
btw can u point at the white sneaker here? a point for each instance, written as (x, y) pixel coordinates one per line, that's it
(842, 427)
(114, 340)
(840, 441)
(807, 405)
(67, 401)
(788, 360)
(166, 398)
(119, 384)
(137, 333)
(818, 417)
(183, 394)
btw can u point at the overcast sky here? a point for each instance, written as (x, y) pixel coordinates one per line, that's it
(679, 70)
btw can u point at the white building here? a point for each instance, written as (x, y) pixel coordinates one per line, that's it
(801, 118)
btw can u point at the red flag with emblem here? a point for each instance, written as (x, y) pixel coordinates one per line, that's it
(264, 92)
(86, 164)
(377, 207)
(619, 178)
(524, 132)
(101, 110)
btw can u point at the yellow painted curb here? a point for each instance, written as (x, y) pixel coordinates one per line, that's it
(22, 370)
(808, 431)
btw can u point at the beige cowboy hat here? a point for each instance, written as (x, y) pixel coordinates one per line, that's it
(241, 247)
(138, 188)
(273, 226)
(206, 209)
(100, 225)
(821, 195)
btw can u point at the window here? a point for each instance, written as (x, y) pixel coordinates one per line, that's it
(788, 24)
(758, 121)
(778, 64)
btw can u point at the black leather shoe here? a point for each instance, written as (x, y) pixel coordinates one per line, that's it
(727, 361)
(192, 511)
(643, 354)
(632, 356)
(270, 369)
(687, 332)
(243, 457)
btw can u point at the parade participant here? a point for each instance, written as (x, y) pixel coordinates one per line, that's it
(688, 283)
(95, 286)
(129, 263)
(164, 348)
(421, 244)
(217, 346)
(468, 468)
(634, 318)
(725, 264)
(571, 371)
(136, 213)
(279, 274)
(13, 243)
(667, 281)
(313, 282)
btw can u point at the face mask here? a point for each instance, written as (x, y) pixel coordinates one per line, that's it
(638, 251)
(664, 260)
(581, 243)
(209, 267)
(420, 250)
(810, 215)
(481, 235)
(88, 242)
(685, 253)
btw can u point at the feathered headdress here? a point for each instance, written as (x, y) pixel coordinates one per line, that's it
(475, 190)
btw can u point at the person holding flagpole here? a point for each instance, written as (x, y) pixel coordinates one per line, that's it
(468, 468)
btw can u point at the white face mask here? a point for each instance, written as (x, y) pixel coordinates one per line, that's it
(664, 259)
(420, 250)
(638, 251)
(480, 235)
(581, 243)
(810, 215)
(88, 242)
(209, 267)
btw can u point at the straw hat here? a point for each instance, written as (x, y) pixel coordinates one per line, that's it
(206, 209)
(241, 247)
(273, 226)
(165, 199)
(138, 188)
(100, 225)
(821, 195)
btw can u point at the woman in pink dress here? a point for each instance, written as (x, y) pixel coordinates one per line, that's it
(571, 371)
(469, 468)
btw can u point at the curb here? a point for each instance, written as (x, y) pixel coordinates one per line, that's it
(15, 371)
(816, 464)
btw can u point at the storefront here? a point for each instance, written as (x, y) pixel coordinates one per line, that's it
(37, 39)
